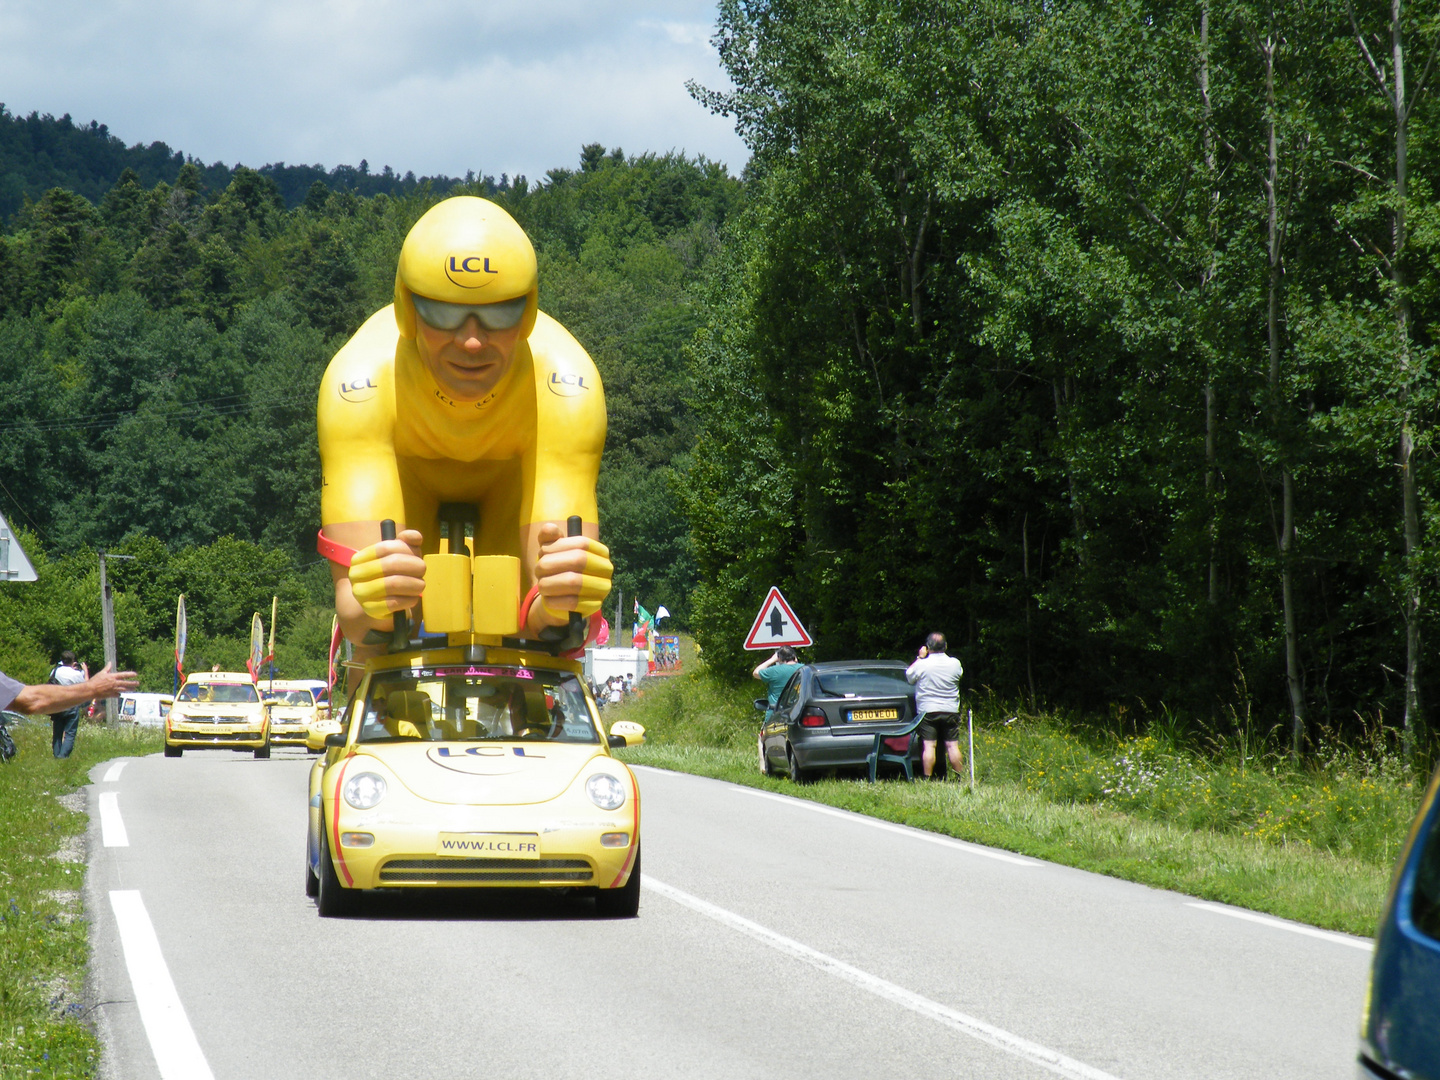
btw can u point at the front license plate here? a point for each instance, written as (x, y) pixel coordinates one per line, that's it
(490, 845)
(859, 716)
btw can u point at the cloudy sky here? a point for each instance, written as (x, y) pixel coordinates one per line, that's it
(437, 86)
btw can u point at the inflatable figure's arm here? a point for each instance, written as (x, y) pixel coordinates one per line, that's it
(566, 573)
(361, 485)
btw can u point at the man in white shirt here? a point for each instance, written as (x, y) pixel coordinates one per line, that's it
(937, 699)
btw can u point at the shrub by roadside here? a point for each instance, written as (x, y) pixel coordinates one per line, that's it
(1230, 824)
(44, 1031)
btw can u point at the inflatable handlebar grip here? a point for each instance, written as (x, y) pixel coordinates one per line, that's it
(574, 526)
(400, 635)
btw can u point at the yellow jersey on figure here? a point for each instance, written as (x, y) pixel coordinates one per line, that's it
(462, 391)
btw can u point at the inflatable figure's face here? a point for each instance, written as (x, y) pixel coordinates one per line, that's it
(467, 362)
(466, 293)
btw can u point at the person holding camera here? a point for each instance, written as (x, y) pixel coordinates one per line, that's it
(936, 677)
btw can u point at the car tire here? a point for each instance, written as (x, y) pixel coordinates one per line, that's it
(312, 883)
(797, 774)
(331, 898)
(624, 902)
(173, 751)
(263, 751)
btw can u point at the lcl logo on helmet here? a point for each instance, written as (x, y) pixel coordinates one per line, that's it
(469, 271)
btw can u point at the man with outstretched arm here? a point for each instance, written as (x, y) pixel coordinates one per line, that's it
(54, 697)
(936, 677)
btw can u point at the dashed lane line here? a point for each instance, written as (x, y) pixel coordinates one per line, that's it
(1282, 924)
(172, 1040)
(113, 773)
(112, 825)
(1032, 1052)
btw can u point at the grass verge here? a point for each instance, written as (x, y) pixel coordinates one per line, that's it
(1224, 822)
(44, 944)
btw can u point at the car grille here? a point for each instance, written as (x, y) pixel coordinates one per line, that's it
(214, 737)
(214, 720)
(485, 870)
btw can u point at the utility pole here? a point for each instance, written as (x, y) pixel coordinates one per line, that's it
(107, 624)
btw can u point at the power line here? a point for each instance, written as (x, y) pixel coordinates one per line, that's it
(228, 405)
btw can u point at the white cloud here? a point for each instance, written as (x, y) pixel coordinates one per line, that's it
(434, 86)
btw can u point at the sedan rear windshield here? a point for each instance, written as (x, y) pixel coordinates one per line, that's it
(225, 693)
(469, 704)
(862, 682)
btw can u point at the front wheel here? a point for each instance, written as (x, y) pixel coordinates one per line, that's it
(312, 883)
(332, 898)
(263, 751)
(173, 751)
(624, 902)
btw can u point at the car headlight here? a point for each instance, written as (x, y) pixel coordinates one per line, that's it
(605, 791)
(364, 790)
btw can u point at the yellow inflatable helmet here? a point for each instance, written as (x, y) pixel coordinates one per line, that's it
(465, 251)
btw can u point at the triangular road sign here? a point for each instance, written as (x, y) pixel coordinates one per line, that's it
(14, 565)
(776, 625)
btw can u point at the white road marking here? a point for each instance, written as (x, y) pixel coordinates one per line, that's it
(113, 773)
(172, 1041)
(112, 825)
(914, 834)
(1281, 924)
(1043, 1056)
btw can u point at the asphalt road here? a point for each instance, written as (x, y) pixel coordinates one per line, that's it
(775, 939)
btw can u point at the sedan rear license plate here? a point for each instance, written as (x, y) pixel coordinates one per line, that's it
(490, 845)
(859, 716)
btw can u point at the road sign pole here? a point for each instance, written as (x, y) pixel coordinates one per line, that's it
(107, 630)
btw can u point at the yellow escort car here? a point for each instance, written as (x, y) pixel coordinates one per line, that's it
(218, 710)
(474, 766)
(293, 709)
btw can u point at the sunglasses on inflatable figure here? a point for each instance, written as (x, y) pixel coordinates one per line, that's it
(442, 315)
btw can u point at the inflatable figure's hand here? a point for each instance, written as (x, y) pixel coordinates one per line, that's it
(573, 573)
(389, 576)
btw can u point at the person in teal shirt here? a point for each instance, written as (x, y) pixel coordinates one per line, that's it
(775, 673)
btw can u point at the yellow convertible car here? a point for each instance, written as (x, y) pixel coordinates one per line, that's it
(474, 767)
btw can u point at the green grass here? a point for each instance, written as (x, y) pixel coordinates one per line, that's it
(1216, 818)
(44, 1031)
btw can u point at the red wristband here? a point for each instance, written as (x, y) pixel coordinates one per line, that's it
(336, 553)
(526, 604)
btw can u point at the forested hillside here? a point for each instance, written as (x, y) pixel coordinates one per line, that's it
(38, 153)
(1101, 336)
(161, 350)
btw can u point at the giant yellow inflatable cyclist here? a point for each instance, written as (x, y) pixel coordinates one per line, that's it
(462, 391)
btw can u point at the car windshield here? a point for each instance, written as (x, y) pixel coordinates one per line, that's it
(474, 704)
(862, 682)
(226, 693)
(292, 697)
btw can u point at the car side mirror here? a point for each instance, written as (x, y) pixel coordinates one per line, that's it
(761, 704)
(628, 732)
(335, 741)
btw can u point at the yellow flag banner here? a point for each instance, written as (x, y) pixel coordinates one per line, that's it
(257, 646)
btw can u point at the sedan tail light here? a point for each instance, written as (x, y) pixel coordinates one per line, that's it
(813, 718)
